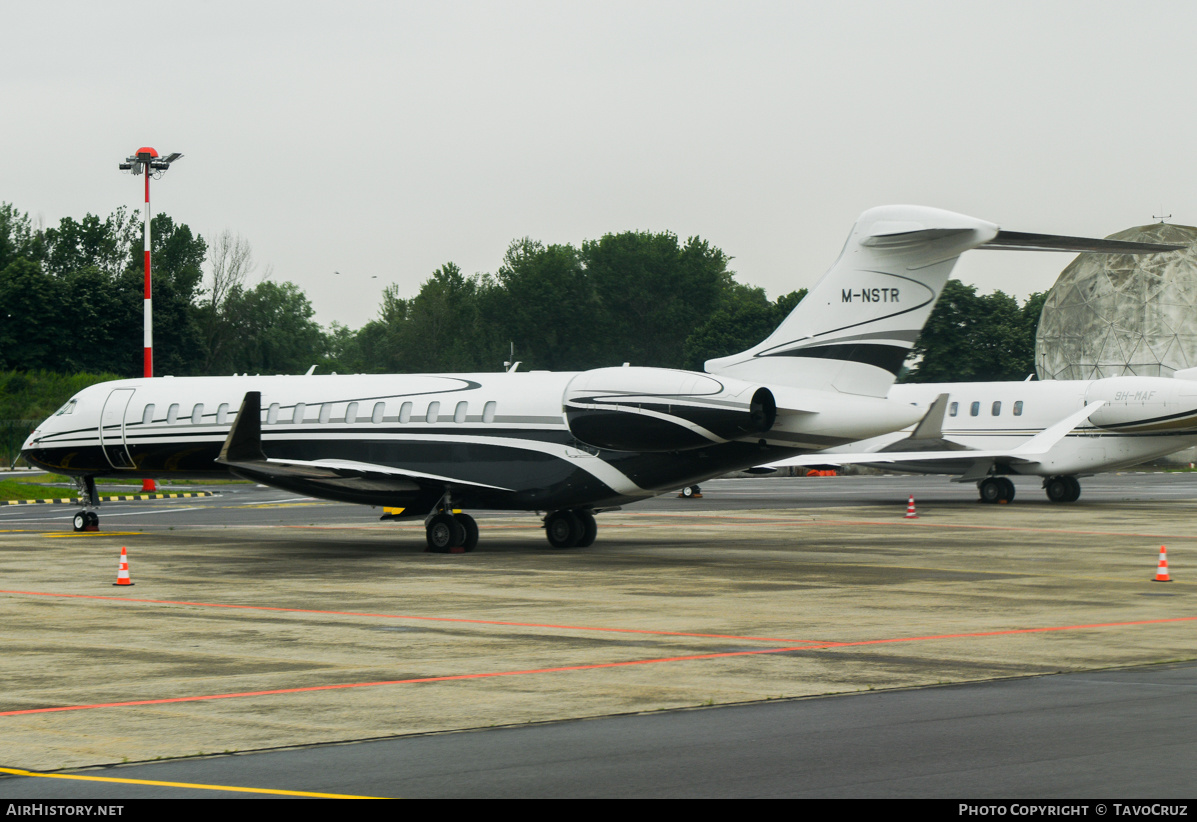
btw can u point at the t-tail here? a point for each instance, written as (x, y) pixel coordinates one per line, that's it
(855, 328)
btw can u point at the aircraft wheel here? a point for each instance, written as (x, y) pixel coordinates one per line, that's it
(80, 521)
(991, 489)
(444, 532)
(1074, 489)
(1060, 489)
(1007, 489)
(589, 529)
(563, 528)
(471, 531)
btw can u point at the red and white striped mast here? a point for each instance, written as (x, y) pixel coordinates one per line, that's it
(147, 162)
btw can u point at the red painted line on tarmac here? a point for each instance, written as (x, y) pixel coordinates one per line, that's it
(343, 686)
(596, 666)
(781, 640)
(1009, 632)
(910, 524)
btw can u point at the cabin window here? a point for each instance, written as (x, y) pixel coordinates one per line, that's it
(459, 414)
(953, 408)
(405, 412)
(434, 411)
(488, 412)
(197, 414)
(299, 410)
(147, 416)
(379, 410)
(351, 413)
(997, 408)
(172, 413)
(272, 414)
(222, 414)
(974, 409)
(1018, 408)
(325, 412)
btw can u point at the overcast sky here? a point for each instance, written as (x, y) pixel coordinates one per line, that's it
(383, 139)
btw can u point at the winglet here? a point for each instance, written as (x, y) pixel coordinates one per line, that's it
(244, 442)
(1042, 442)
(931, 425)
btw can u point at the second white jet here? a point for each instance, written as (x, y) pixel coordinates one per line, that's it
(1060, 430)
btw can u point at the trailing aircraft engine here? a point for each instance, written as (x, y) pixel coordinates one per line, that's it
(659, 409)
(1144, 403)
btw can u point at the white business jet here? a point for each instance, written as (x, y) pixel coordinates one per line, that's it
(1059, 430)
(568, 444)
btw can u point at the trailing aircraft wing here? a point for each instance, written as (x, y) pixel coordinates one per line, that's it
(243, 453)
(1031, 451)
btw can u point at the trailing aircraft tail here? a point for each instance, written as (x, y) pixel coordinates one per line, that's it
(855, 328)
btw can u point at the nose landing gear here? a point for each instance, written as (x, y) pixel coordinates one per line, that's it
(87, 519)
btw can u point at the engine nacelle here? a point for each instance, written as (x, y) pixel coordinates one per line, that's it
(1144, 404)
(660, 409)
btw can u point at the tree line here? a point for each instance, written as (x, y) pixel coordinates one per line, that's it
(71, 302)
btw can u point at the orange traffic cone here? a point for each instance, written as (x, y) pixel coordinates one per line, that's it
(910, 514)
(1161, 572)
(122, 575)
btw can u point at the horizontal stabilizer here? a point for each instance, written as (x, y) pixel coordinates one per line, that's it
(1021, 241)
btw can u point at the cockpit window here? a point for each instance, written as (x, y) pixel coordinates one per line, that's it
(69, 408)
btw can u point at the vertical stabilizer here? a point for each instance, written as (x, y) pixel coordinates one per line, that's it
(855, 328)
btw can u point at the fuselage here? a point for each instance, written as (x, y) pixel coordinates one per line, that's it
(501, 440)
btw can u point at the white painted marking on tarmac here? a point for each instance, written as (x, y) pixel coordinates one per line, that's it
(274, 501)
(108, 514)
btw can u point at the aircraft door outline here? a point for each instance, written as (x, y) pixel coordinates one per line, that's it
(113, 414)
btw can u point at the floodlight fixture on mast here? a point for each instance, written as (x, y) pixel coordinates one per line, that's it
(146, 161)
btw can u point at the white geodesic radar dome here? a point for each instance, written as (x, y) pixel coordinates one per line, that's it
(1111, 315)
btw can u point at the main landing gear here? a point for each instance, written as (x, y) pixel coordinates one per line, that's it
(572, 528)
(451, 533)
(996, 489)
(455, 533)
(690, 492)
(87, 519)
(1062, 489)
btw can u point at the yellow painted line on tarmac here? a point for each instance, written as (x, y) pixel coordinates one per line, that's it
(193, 785)
(92, 534)
(108, 498)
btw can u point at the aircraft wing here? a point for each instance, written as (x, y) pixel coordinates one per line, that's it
(242, 451)
(1030, 451)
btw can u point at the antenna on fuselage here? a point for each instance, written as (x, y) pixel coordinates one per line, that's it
(510, 365)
